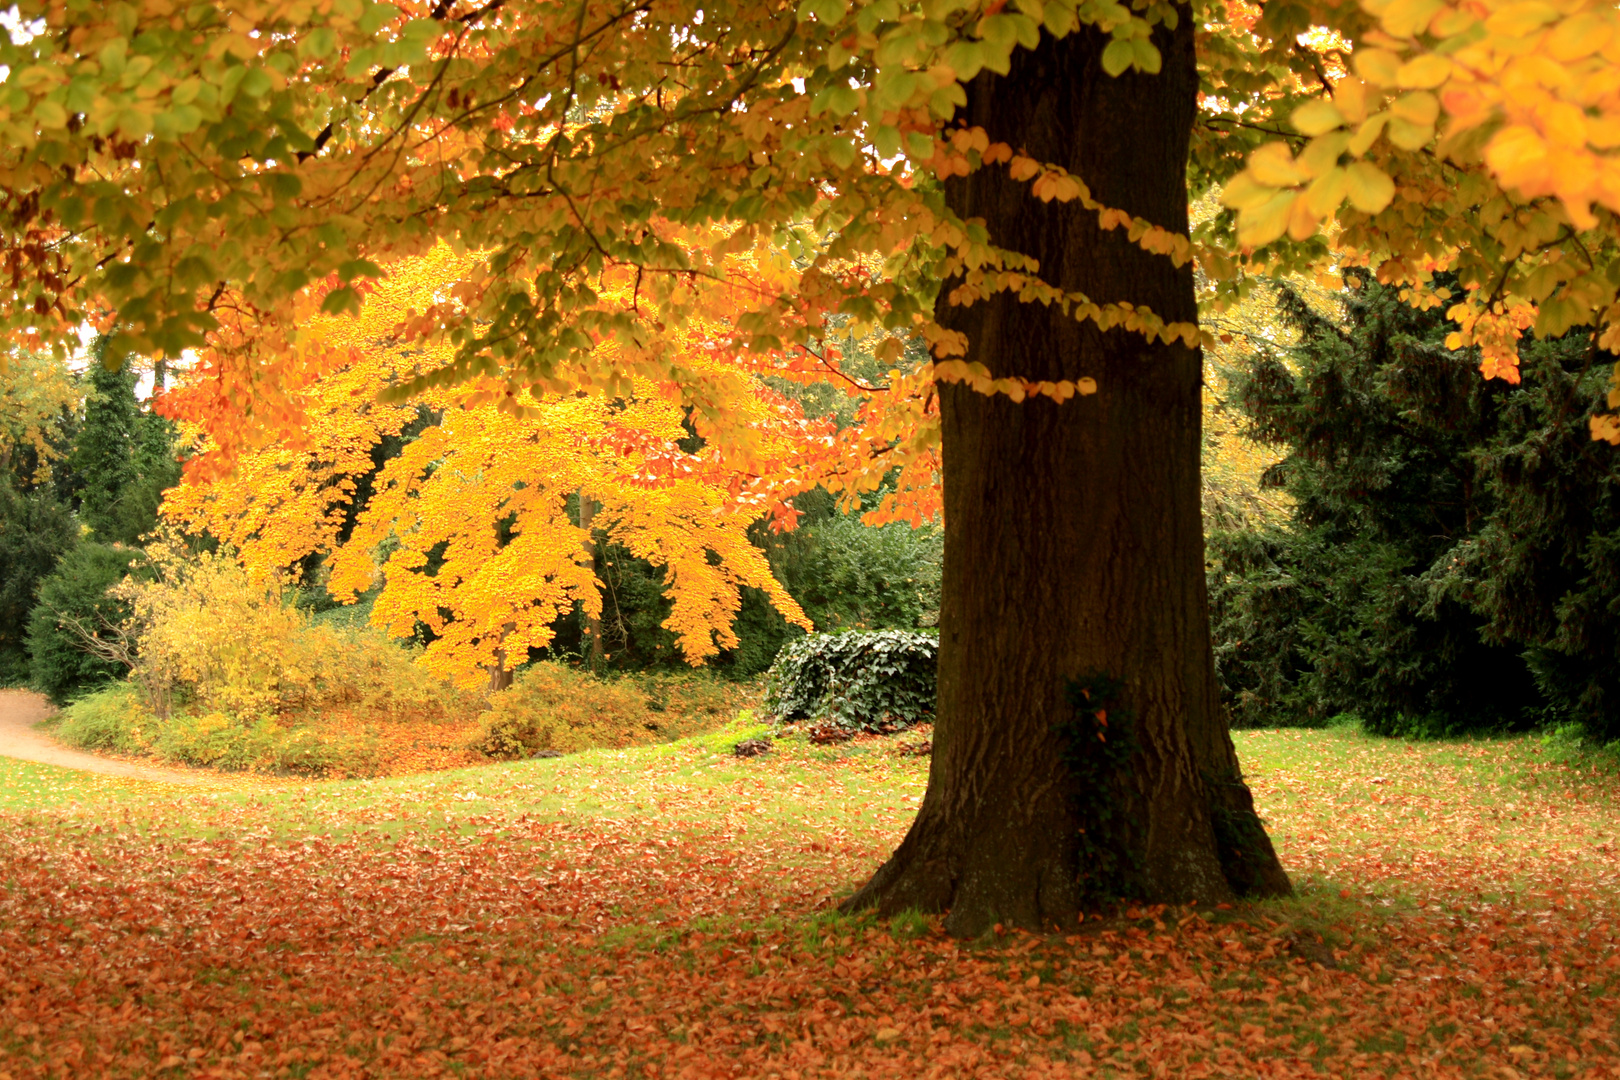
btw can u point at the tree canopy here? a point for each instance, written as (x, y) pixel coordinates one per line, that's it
(207, 177)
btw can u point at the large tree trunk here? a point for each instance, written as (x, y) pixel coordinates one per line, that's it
(1074, 546)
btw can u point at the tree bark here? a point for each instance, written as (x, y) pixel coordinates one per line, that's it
(500, 676)
(1074, 542)
(594, 658)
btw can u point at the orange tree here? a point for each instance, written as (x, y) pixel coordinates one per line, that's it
(1005, 179)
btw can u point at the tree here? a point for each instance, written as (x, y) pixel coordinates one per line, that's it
(73, 604)
(1446, 563)
(658, 140)
(480, 529)
(1074, 543)
(122, 458)
(39, 403)
(35, 532)
(1338, 609)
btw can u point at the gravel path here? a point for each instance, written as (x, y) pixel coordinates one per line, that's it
(21, 709)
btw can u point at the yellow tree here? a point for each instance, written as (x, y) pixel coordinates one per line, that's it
(471, 518)
(35, 390)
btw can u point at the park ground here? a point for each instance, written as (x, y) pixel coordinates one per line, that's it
(668, 912)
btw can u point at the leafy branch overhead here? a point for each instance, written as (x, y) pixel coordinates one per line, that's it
(211, 178)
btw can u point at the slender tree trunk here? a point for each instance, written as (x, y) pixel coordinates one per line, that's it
(593, 623)
(1074, 543)
(500, 675)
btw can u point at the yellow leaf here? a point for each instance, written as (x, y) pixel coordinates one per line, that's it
(1323, 153)
(1301, 222)
(1405, 18)
(1605, 428)
(1243, 192)
(1369, 189)
(1350, 96)
(1407, 135)
(1376, 66)
(1518, 20)
(1424, 73)
(1316, 117)
(1327, 192)
(1579, 36)
(1419, 107)
(1367, 134)
(1262, 224)
(1518, 156)
(1273, 165)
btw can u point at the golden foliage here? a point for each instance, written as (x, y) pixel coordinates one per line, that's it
(553, 707)
(469, 530)
(34, 391)
(209, 637)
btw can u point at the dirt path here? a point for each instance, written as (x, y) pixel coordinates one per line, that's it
(21, 709)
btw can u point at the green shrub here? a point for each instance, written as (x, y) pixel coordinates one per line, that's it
(856, 679)
(850, 576)
(117, 719)
(74, 601)
(113, 719)
(551, 706)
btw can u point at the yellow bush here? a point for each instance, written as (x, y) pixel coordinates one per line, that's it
(208, 637)
(554, 707)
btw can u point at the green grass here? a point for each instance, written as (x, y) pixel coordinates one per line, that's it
(714, 787)
(1332, 769)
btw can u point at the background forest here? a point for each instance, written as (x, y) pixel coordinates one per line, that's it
(1392, 541)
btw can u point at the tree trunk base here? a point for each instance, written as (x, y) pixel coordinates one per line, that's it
(1006, 875)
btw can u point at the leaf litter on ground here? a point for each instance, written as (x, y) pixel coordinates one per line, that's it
(670, 912)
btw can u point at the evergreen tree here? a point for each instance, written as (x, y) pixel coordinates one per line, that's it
(35, 532)
(73, 602)
(1544, 568)
(1446, 560)
(123, 456)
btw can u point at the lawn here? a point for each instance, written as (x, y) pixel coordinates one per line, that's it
(667, 912)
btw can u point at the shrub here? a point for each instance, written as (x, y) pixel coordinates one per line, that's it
(227, 673)
(114, 718)
(117, 719)
(850, 576)
(856, 679)
(550, 706)
(74, 603)
(205, 635)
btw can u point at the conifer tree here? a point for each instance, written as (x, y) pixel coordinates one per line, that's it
(104, 460)
(1446, 562)
(123, 455)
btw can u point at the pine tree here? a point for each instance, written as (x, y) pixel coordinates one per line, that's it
(1450, 548)
(104, 454)
(35, 532)
(123, 456)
